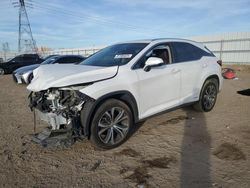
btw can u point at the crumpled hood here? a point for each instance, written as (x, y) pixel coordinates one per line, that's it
(26, 68)
(58, 75)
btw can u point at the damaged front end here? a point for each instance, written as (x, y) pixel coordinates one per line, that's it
(60, 108)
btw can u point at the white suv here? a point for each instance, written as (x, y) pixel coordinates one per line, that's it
(104, 97)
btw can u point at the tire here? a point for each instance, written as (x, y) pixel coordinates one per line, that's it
(111, 125)
(2, 71)
(208, 96)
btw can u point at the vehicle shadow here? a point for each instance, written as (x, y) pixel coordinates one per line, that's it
(195, 152)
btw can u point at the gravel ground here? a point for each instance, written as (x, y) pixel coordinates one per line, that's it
(182, 148)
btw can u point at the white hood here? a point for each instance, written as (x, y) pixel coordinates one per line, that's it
(58, 75)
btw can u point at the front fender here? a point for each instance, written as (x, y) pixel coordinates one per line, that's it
(91, 106)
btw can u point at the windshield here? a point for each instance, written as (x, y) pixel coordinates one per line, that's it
(49, 60)
(118, 54)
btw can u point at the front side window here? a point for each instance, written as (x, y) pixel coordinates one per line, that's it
(161, 51)
(30, 58)
(118, 54)
(16, 59)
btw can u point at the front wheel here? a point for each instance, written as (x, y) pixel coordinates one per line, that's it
(1, 71)
(208, 96)
(111, 125)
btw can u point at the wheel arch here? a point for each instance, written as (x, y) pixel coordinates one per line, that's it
(213, 76)
(208, 78)
(90, 108)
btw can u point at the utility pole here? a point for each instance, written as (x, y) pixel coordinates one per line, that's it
(26, 42)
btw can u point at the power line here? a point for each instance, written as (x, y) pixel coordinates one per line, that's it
(84, 18)
(105, 22)
(81, 20)
(83, 15)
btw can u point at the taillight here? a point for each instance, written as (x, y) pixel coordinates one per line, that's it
(219, 62)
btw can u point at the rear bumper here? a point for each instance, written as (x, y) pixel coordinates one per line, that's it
(221, 79)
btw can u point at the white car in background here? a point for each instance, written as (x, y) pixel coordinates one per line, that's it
(24, 75)
(107, 94)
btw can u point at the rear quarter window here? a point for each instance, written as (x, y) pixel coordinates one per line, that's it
(184, 52)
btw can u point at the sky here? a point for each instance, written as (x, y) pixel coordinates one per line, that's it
(90, 23)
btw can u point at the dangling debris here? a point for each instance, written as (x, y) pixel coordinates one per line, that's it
(50, 138)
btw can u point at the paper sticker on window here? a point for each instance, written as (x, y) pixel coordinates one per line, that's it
(123, 56)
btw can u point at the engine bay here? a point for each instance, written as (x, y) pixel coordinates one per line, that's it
(60, 109)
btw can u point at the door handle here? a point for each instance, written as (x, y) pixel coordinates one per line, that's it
(174, 71)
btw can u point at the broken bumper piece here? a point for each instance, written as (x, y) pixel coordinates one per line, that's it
(50, 138)
(59, 132)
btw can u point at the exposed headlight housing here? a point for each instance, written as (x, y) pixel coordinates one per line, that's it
(61, 104)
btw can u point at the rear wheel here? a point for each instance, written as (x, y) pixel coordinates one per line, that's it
(208, 96)
(1, 71)
(111, 125)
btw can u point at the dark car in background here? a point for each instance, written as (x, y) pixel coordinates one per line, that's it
(19, 61)
(24, 74)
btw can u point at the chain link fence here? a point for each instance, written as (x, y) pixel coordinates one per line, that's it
(84, 52)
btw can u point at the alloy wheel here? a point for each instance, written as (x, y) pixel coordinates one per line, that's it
(113, 126)
(209, 97)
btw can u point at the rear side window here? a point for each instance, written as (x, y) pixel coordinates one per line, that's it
(29, 58)
(77, 59)
(187, 52)
(64, 60)
(69, 59)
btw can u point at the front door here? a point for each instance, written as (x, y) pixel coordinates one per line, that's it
(159, 89)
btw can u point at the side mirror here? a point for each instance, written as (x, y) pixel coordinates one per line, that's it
(152, 62)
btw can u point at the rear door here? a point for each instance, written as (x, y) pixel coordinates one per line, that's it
(159, 89)
(189, 59)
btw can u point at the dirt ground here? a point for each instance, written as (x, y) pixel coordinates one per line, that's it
(182, 148)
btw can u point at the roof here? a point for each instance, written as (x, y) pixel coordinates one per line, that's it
(161, 40)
